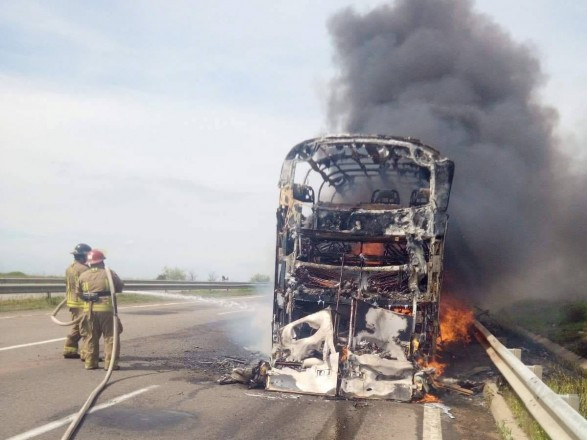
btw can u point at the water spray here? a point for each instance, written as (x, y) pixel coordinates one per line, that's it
(196, 298)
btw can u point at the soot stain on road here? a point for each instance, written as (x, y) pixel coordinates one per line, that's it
(140, 419)
(344, 422)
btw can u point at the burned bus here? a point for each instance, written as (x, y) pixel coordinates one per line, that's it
(358, 268)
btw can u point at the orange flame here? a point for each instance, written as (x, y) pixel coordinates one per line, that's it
(428, 398)
(344, 354)
(373, 248)
(369, 249)
(402, 310)
(438, 366)
(456, 320)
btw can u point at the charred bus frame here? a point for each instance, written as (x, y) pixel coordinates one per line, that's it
(359, 257)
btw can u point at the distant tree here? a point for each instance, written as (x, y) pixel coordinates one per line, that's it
(260, 278)
(13, 274)
(212, 277)
(192, 275)
(172, 274)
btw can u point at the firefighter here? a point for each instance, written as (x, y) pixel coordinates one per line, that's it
(75, 304)
(98, 319)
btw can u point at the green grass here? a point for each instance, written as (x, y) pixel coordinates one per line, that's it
(523, 417)
(12, 305)
(17, 274)
(563, 322)
(561, 382)
(504, 432)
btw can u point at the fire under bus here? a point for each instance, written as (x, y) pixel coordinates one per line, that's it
(359, 255)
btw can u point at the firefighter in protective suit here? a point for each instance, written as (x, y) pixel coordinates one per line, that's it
(74, 303)
(94, 289)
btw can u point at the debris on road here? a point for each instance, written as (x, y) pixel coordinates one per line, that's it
(445, 409)
(465, 387)
(254, 377)
(274, 396)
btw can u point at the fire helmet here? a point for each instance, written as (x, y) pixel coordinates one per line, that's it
(81, 249)
(95, 257)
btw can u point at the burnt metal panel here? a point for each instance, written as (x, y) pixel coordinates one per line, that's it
(360, 239)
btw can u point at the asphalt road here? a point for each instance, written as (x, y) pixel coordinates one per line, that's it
(172, 353)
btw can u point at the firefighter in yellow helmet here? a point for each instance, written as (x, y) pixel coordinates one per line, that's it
(75, 304)
(94, 289)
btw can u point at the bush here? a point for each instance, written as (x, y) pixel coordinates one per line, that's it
(577, 312)
(260, 278)
(172, 274)
(13, 274)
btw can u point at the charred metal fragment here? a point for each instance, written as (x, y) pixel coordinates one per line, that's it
(360, 237)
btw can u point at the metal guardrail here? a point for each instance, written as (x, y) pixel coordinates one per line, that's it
(31, 280)
(555, 416)
(53, 285)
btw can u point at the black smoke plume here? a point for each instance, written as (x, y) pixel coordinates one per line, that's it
(438, 71)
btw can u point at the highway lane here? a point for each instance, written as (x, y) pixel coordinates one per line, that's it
(172, 355)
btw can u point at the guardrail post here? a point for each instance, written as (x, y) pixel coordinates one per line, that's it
(536, 369)
(517, 352)
(572, 400)
(48, 296)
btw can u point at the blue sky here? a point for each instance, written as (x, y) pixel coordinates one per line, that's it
(156, 130)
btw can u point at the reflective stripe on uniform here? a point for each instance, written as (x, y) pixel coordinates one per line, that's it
(104, 304)
(71, 279)
(67, 349)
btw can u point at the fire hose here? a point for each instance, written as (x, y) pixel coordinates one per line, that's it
(69, 433)
(66, 323)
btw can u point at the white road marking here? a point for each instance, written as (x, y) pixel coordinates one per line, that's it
(432, 424)
(58, 423)
(31, 344)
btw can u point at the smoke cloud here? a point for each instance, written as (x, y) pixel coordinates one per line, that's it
(438, 71)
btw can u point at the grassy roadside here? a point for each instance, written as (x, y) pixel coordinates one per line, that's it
(560, 382)
(12, 305)
(523, 417)
(564, 322)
